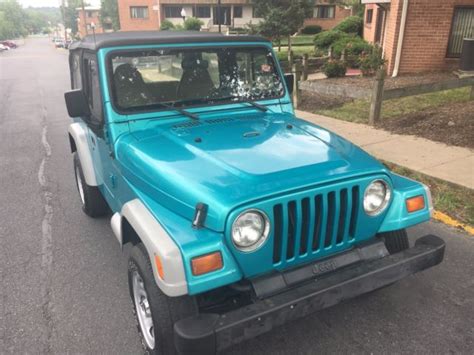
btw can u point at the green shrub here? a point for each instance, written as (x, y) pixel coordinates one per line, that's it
(354, 46)
(371, 61)
(325, 39)
(193, 24)
(311, 30)
(334, 68)
(166, 25)
(351, 24)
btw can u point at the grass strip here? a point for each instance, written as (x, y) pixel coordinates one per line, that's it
(358, 110)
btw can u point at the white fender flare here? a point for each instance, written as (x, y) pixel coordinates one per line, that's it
(78, 132)
(158, 243)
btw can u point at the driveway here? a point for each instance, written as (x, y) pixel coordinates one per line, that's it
(63, 281)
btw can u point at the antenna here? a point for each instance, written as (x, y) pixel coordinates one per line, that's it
(93, 31)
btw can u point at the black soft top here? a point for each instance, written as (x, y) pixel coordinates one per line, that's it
(104, 40)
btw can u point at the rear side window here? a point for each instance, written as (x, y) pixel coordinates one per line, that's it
(92, 89)
(75, 63)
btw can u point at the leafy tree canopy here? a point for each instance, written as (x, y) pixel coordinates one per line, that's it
(109, 10)
(15, 21)
(282, 17)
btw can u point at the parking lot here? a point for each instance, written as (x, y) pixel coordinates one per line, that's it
(63, 280)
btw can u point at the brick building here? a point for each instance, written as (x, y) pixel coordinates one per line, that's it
(425, 35)
(86, 18)
(148, 14)
(327, 14)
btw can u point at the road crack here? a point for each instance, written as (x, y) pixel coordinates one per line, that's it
(46, 234)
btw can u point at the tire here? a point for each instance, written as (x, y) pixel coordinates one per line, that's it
(395, 241)
(93, 203)
(164, 310)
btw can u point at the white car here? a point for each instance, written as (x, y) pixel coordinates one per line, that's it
(4, 48)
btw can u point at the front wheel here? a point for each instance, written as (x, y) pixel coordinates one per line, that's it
(93, 203)
(155, 312)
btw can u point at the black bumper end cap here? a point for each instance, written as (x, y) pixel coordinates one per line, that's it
(196, 335)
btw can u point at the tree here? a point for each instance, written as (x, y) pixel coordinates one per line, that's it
(70, 14)
(109, 12)
(13, 22)
(282, 17)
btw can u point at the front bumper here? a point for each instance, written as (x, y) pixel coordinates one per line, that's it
(208, 333)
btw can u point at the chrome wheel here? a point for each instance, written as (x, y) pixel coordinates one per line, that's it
(80, 188)
(143, 310)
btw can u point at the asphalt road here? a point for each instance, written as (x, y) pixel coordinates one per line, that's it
(63, 276)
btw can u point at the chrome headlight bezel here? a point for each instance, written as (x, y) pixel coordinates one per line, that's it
(385, 200)
(264, 233)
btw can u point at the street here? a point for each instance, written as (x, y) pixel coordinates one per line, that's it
(63, 276)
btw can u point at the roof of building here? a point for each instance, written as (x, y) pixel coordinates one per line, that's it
(104, 40)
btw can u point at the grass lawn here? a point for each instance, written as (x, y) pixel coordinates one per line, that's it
(358, 110)
(454, 200)
(297, 52)
(299, 40)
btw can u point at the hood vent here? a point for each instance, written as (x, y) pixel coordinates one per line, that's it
(186, 126)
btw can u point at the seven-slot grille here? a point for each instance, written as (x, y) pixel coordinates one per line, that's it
(314, 223)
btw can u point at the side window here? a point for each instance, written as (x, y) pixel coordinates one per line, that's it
(76, 71)
(92, 89)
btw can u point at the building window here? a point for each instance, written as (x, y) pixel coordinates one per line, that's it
(139, 11)
(237, 11)
(370, 14)
(461, 27)
(89, 13)
(201, 11)
(173, 11)
(256, 13)
(323, 11)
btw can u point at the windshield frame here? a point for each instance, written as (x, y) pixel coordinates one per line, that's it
(155, 108)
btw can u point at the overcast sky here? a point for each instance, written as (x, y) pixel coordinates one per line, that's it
(56, 3)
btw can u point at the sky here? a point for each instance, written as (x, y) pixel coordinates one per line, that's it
(55, 3)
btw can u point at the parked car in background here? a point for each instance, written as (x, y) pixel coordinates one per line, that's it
(59, 43)
(9, 44)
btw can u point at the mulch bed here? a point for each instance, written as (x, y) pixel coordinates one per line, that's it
(309, 101)
(451, 124)
(393, 83)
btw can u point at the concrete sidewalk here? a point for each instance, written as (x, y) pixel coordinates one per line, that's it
(454, 164)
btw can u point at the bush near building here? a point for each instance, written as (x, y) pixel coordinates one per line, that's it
(351, 24)
(311, 30)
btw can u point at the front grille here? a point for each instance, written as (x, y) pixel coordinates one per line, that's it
(309, 225)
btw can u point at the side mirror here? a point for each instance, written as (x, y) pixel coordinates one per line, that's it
(290, 82)
(76, 103)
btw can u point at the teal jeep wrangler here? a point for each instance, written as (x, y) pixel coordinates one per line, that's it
(242, 217)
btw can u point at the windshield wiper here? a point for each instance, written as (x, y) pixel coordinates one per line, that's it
(240, 100)
(180, 110)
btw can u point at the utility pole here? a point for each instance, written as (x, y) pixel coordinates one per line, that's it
(63, 15)
(85, 17)
(219, 14)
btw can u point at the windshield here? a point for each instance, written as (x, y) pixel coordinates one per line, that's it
(183, 77)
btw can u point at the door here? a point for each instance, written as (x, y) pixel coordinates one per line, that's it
(96, 138)
(224, 15)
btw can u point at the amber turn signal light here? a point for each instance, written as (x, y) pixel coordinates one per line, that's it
(415, 203)
(206, 263)
(159, 267)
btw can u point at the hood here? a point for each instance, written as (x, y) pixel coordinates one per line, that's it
(226, 162)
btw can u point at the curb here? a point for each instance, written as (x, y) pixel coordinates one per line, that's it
(444, 218)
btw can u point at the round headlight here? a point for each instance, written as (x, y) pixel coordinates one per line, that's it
(250, 230)
(376, 197)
